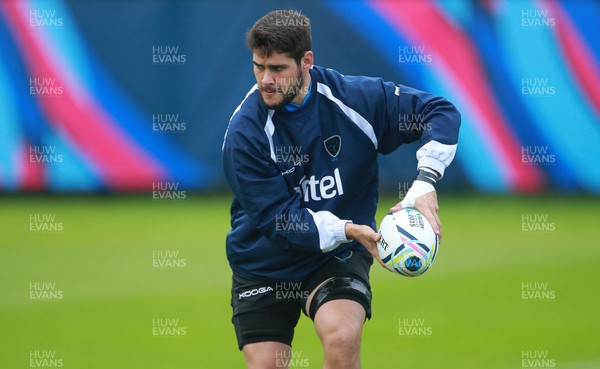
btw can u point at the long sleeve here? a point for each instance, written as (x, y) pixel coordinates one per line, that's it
(272, 208)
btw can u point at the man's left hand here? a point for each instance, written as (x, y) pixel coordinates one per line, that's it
(426, 203)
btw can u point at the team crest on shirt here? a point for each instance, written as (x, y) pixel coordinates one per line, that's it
(333, 145)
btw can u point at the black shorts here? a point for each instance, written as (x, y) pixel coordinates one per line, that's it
(269, 311)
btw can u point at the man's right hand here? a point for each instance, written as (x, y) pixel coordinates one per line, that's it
(366, 236)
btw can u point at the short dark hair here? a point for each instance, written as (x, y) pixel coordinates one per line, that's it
(281, 31)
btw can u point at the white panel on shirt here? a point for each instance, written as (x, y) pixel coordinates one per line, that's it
(269, 130)
(354, 116)
(235, 112)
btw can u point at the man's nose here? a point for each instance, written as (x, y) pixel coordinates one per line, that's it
(267, 79)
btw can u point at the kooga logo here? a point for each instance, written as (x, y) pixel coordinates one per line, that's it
(255, 291)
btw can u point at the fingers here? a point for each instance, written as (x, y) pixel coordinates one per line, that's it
(370, 243)
(381, 263)
(376, 237)
(428, 206)
(367, 237)
(434, 220)
(375, 252)
(396, 207)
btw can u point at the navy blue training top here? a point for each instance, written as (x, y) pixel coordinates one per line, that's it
(299, 176)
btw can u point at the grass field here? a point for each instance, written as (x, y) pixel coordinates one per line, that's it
(95, 289)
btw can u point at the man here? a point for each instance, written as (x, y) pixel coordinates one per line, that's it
(300, 154)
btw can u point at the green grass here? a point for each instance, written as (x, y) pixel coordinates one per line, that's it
(471, 300)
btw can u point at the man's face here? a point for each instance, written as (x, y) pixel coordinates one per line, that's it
(278, 77)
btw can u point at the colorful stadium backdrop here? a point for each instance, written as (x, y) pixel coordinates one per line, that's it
(119, 96)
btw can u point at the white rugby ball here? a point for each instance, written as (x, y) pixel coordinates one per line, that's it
(408, 244)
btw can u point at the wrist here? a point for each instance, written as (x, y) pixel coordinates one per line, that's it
(427, 175)
(430, 170)
(349, 229)
(418, 188)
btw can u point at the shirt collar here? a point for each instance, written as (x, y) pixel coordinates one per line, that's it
(291, 106)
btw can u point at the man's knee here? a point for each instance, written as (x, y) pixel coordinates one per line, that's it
(266, 355)
(339, 324)
(343, 338)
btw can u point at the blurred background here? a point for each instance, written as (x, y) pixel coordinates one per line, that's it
(116, 95)
(114, 207)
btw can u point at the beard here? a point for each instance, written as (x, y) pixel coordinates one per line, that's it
(289, 93)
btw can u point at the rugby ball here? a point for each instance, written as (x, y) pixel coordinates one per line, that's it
(408, 244)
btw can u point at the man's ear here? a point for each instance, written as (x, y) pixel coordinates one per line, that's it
(307, 60)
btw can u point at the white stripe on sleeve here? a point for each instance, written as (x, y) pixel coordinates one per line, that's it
(269, 130)
(354, 116)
